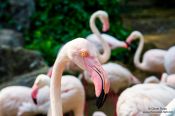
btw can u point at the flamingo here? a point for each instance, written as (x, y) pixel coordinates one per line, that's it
(12, 98)
(153, 60)
(99, 113)
(165, 78)
(142, 98)
(97, 38)
(72, 94)
(169, 61)
(84, 54)
(101, 40)
(151, 79)
(169, 110)
(168, 79)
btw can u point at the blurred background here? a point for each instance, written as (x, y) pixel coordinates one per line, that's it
(33, 31)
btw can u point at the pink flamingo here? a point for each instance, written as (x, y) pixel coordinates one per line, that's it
(169, 61)
(153, 60)
(82, 53)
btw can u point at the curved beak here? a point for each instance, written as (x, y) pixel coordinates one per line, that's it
(127, 45)
(99, 78)
(34, 93)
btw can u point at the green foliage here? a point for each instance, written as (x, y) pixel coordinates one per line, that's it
(56, 22)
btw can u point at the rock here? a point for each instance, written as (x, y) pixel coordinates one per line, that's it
(149, 16)
(18, 61)
(25, 79)
(11, 38)
(21, 10)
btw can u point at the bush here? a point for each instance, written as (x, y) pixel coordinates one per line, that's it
(56, 22)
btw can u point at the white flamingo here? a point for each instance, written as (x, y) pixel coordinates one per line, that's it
(19, 103)
(153, 60)
(72, 93)
(84, 54)
(142, 98)
(168, 79)
(169, 61)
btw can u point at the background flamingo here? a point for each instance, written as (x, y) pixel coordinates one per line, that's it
(81, 52)
(72, 93)
(168, 79)
(139, 98)
(99, 113)
(151, 79)
(169, 61)
(153, 60)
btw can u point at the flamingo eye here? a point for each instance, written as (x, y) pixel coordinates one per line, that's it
(84, 53)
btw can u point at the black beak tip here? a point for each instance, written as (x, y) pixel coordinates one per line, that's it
(34, 100)
(106, 31)
(128, 44)
(101, 99)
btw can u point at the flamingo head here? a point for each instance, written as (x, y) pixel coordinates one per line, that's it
(41, 81)
(133, 36)
(104, 18)
(83, 54)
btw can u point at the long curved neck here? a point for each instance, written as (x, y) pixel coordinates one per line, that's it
(106, 49)
(55, 87)
(138, 54)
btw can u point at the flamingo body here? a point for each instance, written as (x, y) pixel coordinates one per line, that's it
(169, 62)
(152, 79)
(11, 98)
(137, 99)
(73, 95)
(153, 60)
(168, 79)
(112, 41)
